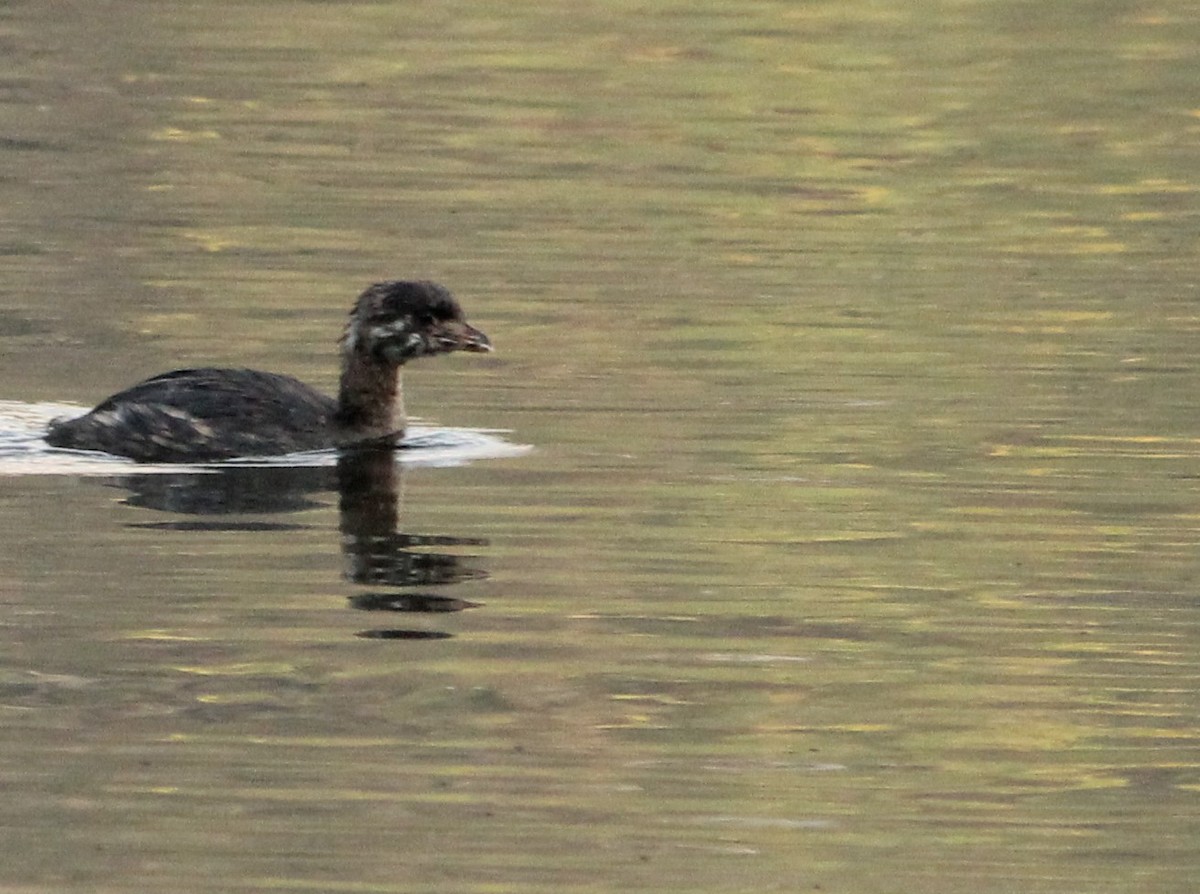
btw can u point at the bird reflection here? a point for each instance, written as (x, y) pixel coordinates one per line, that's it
(396, 565)
(376, 552)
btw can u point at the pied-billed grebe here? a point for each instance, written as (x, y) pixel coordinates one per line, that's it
(198, 415)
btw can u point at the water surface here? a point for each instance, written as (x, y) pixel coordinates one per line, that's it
(858, 550)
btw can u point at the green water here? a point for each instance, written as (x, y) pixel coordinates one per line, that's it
(859, 548)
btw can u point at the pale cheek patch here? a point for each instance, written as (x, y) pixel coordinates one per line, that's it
(397, 340)
(389, 332)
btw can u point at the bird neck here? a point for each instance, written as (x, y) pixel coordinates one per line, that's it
(370, 400)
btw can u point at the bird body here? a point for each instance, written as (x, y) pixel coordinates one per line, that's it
(205, 414)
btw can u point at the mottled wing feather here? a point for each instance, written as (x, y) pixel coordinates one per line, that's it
(203, 414)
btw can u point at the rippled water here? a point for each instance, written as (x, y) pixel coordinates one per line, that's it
(857, 547)
(23, 450)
